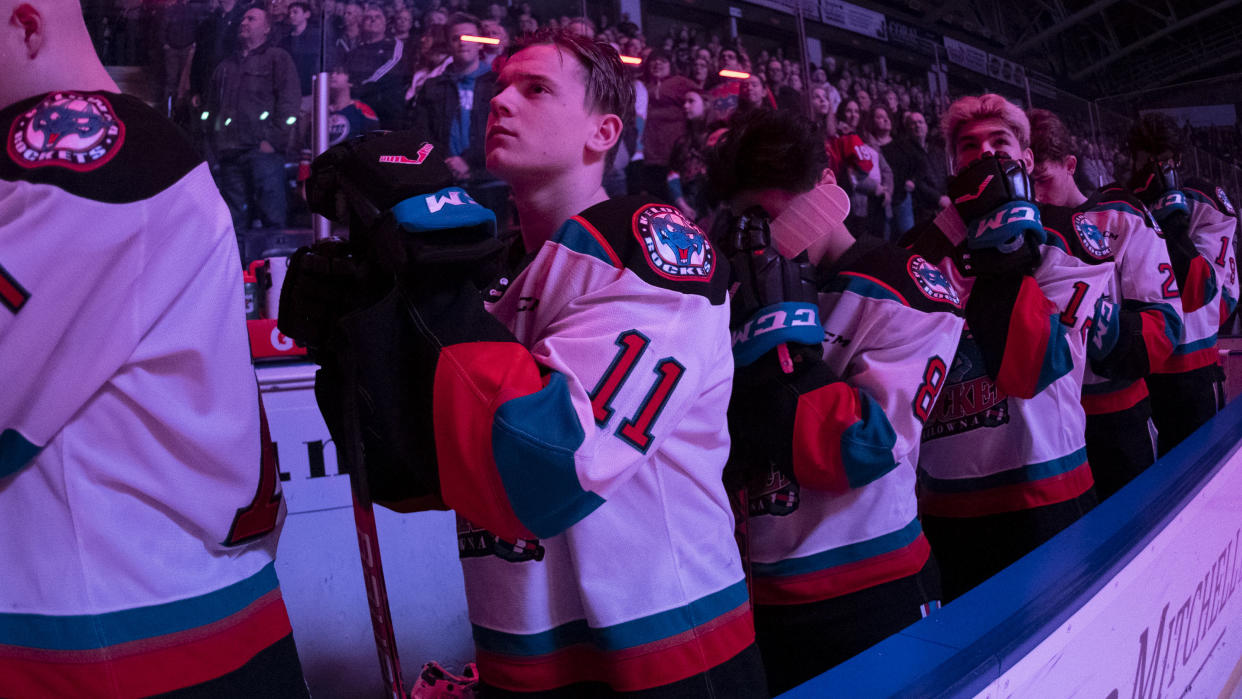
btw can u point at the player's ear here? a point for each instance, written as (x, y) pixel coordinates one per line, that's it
(30, 22)
(1071, 163)
(1028, 158)
(606, 134)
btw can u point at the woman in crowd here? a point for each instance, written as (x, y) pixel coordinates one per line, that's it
(687, 177)
(823, 115)
(858, 168)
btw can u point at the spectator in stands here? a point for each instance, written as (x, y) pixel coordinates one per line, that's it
(786, 96)
(177, 27)
(216, 39)
(912, 162)
(350, 34)
(401, 25)
(253, 101)
(858, 169)
(304, 44)
(527, 24)
(347, 117)
(728, 60)
(377, 68)
(753, 95)
(581, 26)
(433, 59)
(494, 30)
(877, 132)
(700, 73)
(822, 113)
(687, 177)
(665, 123)
(453, 108)
(863, 97)
(278, 18)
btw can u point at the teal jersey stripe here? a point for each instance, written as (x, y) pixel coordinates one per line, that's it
(1195, 346)
(15, 452)
(576, 237)
(629, 634)
(1023, 474)
(867, 445)
(842, 555)
(1058, 360)
(534, 439)
(1118, 206)
(94, 631)
(864, 286)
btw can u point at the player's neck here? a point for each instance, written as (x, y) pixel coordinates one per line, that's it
(829, 249)
(89, 78)
(543, 207)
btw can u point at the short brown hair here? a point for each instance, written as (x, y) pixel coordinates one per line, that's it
(1155, 133)
(608, 90)
(1050, 139)
(462, 18)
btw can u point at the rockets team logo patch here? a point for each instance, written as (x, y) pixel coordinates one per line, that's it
(1092, 239)
(1224, 201)
(673, 246)
(932, 282)
(67, 129)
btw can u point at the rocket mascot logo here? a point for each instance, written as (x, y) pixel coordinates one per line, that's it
(674, 247)
(76, 131)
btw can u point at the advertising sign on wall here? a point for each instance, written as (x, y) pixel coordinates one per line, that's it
(853, 18)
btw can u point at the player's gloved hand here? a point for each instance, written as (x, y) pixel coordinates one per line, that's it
(774, 300)
(995, 199)
(993, 196)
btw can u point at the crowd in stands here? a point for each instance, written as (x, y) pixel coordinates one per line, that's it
(238, 75)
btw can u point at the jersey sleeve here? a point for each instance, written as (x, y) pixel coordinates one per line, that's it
(1137, 331)
(1026, 326)
(1196, 276)
(825, 432)
(532, 437)
(903, 371)
(1213, 227)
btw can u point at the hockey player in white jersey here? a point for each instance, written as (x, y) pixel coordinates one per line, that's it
(1003, 465)
(842, 347)
(1199, 224)
(578, 420)
(139, 496)
(1140, 320)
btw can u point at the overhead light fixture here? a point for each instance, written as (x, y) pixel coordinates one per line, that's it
(470, 38)
(736, 74)
(632, 60)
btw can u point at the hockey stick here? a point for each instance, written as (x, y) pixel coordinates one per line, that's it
(368, 538)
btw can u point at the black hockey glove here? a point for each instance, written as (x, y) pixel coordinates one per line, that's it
(776, 345)
(325, 282)
(994, 197)
(775, 301)
(394, 191)
(1154, 184)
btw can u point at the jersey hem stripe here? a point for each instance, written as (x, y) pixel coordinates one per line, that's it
(94, 631)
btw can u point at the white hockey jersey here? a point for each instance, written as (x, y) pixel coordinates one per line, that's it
(891, 326)
(1213, 226)
(610, 451)
(1015, 441)
(139, 527)
(1140, 318)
